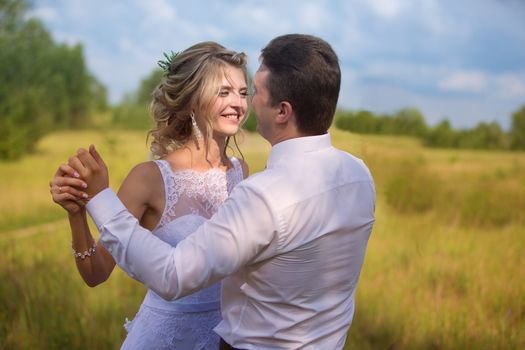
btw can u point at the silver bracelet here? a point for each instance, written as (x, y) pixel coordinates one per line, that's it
(89, 252)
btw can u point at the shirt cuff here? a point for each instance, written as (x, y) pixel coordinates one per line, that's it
(104, 206)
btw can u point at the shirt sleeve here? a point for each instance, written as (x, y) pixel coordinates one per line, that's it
(243, 231)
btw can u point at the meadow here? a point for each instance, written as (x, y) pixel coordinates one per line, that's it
(444, 268)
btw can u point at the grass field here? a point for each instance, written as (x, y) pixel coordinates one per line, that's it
(444, 269)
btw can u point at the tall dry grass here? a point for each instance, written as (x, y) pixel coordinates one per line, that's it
(444, 267)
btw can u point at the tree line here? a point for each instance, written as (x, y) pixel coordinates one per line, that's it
(133, 112)
(45, 85)
(411, 122)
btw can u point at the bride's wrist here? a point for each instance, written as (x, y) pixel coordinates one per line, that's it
(77, 215)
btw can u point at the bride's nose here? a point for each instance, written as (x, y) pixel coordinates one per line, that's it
(237, 100)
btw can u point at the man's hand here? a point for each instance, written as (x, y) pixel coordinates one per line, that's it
(92, 170)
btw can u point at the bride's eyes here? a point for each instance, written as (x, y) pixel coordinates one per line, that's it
(226, 93)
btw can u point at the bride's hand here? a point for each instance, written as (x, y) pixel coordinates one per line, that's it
(66, 189)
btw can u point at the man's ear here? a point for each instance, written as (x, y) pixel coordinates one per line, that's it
(285, 112)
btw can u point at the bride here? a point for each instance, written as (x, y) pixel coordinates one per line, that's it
(199, 104)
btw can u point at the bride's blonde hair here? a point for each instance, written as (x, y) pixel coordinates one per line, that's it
(191, 84)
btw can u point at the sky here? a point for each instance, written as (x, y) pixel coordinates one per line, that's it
(463, 60)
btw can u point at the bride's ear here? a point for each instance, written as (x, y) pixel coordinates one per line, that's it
(285, 112)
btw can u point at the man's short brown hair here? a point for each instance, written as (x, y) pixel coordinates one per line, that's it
(304, 70)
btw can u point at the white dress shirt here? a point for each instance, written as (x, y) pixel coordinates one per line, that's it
(290, 241)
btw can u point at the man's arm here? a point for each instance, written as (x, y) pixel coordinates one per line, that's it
(242, 231)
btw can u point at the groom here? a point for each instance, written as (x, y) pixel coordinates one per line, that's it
(289, 242)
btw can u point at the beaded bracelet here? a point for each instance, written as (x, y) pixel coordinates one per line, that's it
(89, 252)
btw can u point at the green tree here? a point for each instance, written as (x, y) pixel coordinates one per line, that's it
(251, 123)
(483, 136)
(133, 111)
(360, 121)
(517, 130)
(441, 135)
(24, 116)
(99, 95)
(11, 14)
(43, 85)
(409, 121)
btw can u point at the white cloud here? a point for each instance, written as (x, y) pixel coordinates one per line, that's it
(464, 81)
(257, 21)
(312, 16)
(411, 72)
(432, 15)
(388, 9)
(157, 11)
(510, 86)
(45, 13)
(502, 86)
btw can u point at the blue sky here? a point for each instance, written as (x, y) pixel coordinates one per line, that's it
(460, 59)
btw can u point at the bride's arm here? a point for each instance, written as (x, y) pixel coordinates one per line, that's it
(93, 261)
(135, 192)
(97, 267)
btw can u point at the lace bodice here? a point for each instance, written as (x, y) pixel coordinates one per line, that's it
(197, 193)
(187, 323)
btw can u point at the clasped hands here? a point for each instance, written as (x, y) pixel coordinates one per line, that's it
(79, 180)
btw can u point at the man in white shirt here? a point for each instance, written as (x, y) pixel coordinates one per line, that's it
(290, 241)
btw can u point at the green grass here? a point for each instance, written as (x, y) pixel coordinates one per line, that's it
(444, 267)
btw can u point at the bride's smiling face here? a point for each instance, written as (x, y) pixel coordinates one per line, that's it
(229, 109)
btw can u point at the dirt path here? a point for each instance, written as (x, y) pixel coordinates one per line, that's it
(33, 230)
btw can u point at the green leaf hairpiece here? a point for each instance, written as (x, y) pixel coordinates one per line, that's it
(166, 64)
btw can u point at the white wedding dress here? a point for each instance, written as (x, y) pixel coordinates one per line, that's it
(191, 198)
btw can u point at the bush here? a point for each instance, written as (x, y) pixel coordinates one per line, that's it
(517, 131)
(483, 136)
(441, 136)
(250, 124)
(408, 121)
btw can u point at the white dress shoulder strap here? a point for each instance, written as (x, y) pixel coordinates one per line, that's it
(170, 191)
(236, 163)
(236, 173)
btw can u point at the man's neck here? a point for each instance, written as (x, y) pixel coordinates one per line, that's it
(285, 134)
(279, 140)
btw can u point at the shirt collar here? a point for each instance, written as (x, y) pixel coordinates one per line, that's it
(296, 146)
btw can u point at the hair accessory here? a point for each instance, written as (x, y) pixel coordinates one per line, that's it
(166, 64)
(83, 255)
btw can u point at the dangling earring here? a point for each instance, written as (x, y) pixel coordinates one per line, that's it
(195, 128)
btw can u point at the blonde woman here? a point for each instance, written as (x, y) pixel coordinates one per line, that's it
(197, 107)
